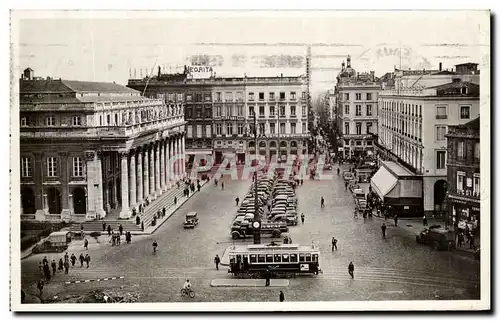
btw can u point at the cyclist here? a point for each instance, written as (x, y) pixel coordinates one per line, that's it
(187, 285)
(155, 245)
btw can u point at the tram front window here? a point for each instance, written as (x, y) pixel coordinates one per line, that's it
(262, 258)
(286, 258)
(277, 257)
(269, 258)
(253, 258)
(315, 257)
(293, 257)
(308, 257)
(302, 257)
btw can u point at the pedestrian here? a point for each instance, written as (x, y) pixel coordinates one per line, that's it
(460, 239)
(104, 226)
(45, 261)
(346, 185)
(338, 171)
(334, 244)
(351, 270)
(40, 287)
(40, 268)
(66, 257)
(87, 260)
(322, 202)
(61, 265)
(142, 226)
(73, 259)
(237, 201)
(222, 185)
(46, 271)
(109, 230)
(395, 219)
(120, 228)
(82, 258)
(175, 200)
(383, 227)
(268, 277)
(217, 261)
(66, 267)
(54, 266)
(137, 220)
(302, 217)
(199, 187)
(282, 296)
(163, 211)
(86, 244)
(424, 219)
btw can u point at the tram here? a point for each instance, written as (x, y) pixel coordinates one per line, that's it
(282, 260)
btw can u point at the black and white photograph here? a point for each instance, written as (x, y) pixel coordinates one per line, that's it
(250, 160)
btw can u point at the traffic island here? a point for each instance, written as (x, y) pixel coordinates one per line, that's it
(235, 283)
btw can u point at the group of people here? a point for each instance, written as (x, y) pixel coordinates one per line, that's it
(115, 236)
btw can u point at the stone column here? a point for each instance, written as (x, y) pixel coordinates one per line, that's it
(157, 169)
(125, 212)
(94, 185)
(140, 180)
(162, 165)
(146, 172)
(65, 212)
(172, 162)
(167, 163)
(177, 160)
(38, 169)
(152, 172)
(133, 184)
(183, 153)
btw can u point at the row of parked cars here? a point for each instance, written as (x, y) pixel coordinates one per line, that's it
(284, 203)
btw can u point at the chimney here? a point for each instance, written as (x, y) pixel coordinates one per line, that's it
(282, 75)
(440, 66)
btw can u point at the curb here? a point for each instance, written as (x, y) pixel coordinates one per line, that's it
(95, 280)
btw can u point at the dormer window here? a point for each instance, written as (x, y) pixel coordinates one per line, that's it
(51, 121)
(465, 90)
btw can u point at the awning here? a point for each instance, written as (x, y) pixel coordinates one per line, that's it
(383, 182)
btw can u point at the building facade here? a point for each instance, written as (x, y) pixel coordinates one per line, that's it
(464, 180)
(357, 111)
(90, 150)
(219, 113)
(413, 123)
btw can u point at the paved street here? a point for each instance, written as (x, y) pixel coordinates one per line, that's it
(395, 268)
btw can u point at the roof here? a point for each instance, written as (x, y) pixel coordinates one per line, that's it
(454, 89)
(467, 64)
(67, 86)
(43, 86)
(397, 169)
(103, 87)
(473, 124)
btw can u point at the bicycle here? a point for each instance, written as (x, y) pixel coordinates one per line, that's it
(188, 292)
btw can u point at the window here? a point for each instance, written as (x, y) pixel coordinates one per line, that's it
(440, 159)
(116, 120)
(26, 167)
(293, 95)
(346, 109)
(240, 110)
(208, 112)
(239, 96)
(271, 96)
(358, 128)
(282, 96)
(368, 96)
(304, 95)
(218, 129)
(240, 129)
(51, 121)
(218, 96)
(346, 96)
(358, 96)
(304, 128)
(465, 112)
(461, 150)
(229, 128)
(24, 121)
(251, 97)
(477, 150)
(302, 257)
(179, 97)
(358, 110)
(218, 111)
(368, 110)
(292, 111)
(229, 96)
(282, 128)
(460, 180)
(262, 129)
(277, 257)
(293, 258)
(108, 120)
(51, 166)
(441, 112)
(346, 128)
(261, 258)
(208, 131)
(286, 258)
(77, 167)
(369, 127)
(251, 110)
(477, 181)
(261, 96)
(271, 111)
(253, 258)
(261, 111)
(293, 128)
(304, 111)
(282, 111)
(272, 128)
(208, 97)
(440, 132)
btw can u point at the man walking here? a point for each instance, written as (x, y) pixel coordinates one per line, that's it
(384, 227)
(66, 267)
(104, 226)
(40, 287)
(109, 230)
(424, 219)
(334, 244)
(237, 200)
(351, 270)
(73, 259)
(322, 202)
(268, 277)
(346, 183)
(222, 185)
(282, 296)
(82, 258)
(86, 244)
(54, 266)
(302, 217)
(87, 260)
(217, 261)
(120, 228)
(395, 219)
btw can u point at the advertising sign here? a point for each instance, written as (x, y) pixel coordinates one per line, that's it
(200, 72)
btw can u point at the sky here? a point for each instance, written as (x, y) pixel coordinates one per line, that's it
(110, 46)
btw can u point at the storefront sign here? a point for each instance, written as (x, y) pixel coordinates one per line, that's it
(200, 71)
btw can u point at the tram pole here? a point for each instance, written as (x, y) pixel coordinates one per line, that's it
(256, 227)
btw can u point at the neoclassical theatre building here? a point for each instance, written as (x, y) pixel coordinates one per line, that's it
(90, 149)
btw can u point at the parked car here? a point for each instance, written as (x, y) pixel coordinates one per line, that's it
(437, 237)
(191, 220)
(348, 176)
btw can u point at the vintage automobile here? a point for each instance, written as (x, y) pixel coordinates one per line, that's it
(272, 229)
(55, 242)
(438, 237)
(348, 176)
(191, 220)
(290, 220)
(358, 193)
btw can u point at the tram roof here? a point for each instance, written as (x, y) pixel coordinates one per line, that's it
(278, 247)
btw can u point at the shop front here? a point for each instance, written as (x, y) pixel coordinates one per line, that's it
(398, 188)
(465, 218)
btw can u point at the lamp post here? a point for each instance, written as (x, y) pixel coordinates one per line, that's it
(257, 220)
